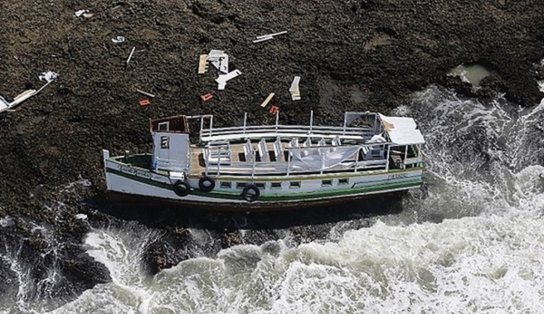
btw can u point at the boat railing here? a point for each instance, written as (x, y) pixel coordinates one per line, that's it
(274, 131)
(293, 165)
(209, 133)
(270, 168)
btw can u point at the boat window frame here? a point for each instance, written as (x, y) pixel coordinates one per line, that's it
(275, 185)
(241, 185)
(295, 184)
(343, 181)
(161, 124)
(326, 182)
(260, 185)
(225, 185)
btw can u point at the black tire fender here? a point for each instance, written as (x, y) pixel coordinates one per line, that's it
(251, 193)
(206, 184)
(181, 188)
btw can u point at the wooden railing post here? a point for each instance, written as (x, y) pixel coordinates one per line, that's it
(288, 162)
(254, 163)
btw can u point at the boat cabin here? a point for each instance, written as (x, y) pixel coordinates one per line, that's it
(366, 141)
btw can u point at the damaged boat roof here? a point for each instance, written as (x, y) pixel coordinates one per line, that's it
(401, 130)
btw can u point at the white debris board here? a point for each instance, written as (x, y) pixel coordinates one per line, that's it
(294, 90)
(223, 78)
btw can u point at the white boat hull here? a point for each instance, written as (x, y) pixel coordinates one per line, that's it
(133, 181)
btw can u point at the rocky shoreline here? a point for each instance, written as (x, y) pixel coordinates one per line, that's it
(351, 55)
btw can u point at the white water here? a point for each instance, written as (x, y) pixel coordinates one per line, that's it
(472, 74)
(472, 242)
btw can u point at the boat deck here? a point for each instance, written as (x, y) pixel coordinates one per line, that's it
(237, 156)
(269, 160)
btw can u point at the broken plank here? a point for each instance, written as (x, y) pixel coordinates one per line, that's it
(267, 100)
(203, 64)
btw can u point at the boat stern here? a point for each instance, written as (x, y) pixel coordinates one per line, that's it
(105, 157)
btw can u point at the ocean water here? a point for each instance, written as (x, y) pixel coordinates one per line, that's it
(472, 74)
(470, 241)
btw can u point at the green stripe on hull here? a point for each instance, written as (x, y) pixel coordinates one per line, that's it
(292, 197)
(298, 176)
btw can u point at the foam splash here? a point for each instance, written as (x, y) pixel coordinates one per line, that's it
(472, 263)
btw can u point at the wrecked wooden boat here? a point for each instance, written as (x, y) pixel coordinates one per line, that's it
(259, 167)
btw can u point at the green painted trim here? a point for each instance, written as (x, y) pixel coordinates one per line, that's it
(140, 179)
(339, 193)
(299, 196)
(284, 178)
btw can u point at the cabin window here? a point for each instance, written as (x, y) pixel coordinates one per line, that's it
(241, 185)
(412, 151)
(226, 185)
(165, 142)
(376, 153)
(343, 181)
(326, 183)
(276, 185)
(164, 126)
(260, 185)
(294, 185)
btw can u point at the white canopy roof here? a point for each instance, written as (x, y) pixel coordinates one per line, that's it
(402, 131)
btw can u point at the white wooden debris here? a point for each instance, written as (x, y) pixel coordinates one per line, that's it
(130, 55)
(268, 37)
(203, 64)
(267, 100)
(145, 93)
(118, 39)
(223, 78)
(220, 60)
(46, 76)
(84, 13)
(294, 90)
(262, 39)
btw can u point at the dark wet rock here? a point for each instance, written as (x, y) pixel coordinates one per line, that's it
(455, 83)
(168, 250)
(44, 245)
(490, 86)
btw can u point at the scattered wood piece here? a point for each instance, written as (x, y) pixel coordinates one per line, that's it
(145, 93)
(206, 97)
(268, 37)
(144, 102)
(49, 77)
(203, 64)
(262, 39)
(294, 90)
(223, 78)
(267, 100)
(220, 60)
(130, 55)
(272, 35)
(79, 13)
(273, 110)
(118, 39)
